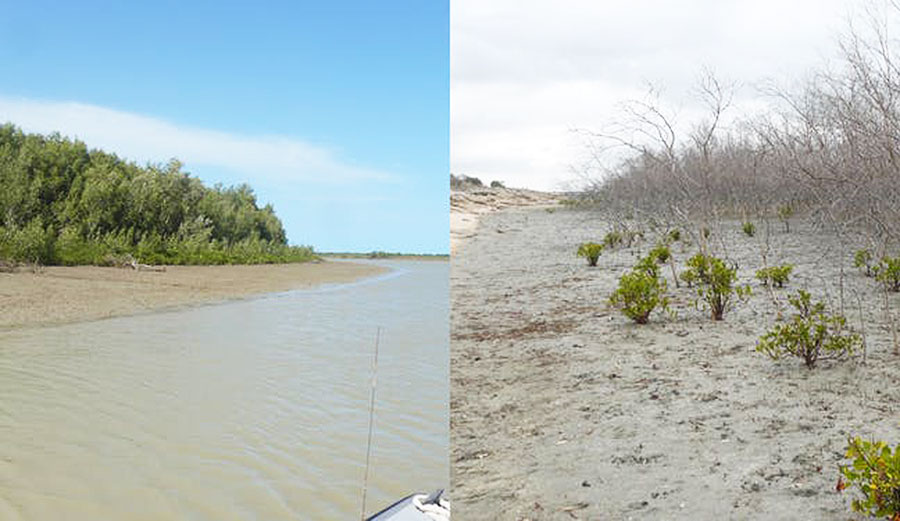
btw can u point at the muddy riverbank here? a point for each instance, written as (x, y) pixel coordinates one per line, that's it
(65, 294)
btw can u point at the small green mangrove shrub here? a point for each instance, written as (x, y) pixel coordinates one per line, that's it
(590, 251)
(811, 334)
(612, 239)
(875, 471)
(640, 291)
(674, 235)
(689, 277)
(705, 232)
(862, 259)
(749, 229)
(888, 273)
(785, 212)
(716, 289)
(647, 265)
(661, 253)
(650, 263)
(776, 275)
(697, 270)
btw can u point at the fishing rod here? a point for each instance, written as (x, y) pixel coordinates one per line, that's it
(420, 507)
(362, 515)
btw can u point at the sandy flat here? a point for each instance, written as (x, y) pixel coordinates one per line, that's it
(466, 205)
(59, 294)
(561, 408)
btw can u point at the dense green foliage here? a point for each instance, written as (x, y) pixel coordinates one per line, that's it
(591, 251)
(640, 291)
(61, 203)
(875, 469)
(811, 334)
(776, 275)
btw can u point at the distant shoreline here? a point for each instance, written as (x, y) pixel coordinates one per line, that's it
(65, 294)
(384, 255)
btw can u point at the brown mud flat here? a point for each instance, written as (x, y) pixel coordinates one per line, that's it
(561, 408)
(58, 294)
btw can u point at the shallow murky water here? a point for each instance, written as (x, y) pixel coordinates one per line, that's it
(247, 410)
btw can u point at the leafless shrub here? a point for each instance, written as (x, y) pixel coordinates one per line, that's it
(829, 151)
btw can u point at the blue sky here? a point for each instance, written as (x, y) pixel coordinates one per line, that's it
(335, 112)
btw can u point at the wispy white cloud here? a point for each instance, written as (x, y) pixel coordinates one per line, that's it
(143, 138)
(524, 72)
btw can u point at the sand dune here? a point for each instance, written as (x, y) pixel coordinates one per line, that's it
(467, 204)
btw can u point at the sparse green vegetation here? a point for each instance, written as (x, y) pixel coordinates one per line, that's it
(612, 239)
(775, 275)
(888, 273)
(749, 229)
(697, 270)
(785, 212)
(816, 164)
(590, 251)
(675, 235)
(648, 265)
(811, 334)
(862, 259)
(661, 253)
(689, 277)
(629, 237)
(875, 471)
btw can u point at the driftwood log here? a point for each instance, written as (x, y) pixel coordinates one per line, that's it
(145, 267)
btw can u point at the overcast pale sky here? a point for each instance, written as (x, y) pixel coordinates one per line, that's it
(526, 72)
